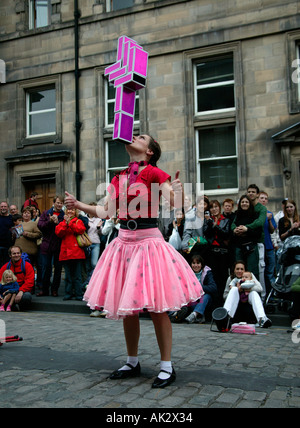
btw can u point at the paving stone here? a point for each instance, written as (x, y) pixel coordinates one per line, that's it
(247, 404)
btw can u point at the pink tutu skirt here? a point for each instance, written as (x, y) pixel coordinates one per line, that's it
(138, 270)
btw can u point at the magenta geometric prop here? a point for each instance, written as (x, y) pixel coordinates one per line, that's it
(129, 75)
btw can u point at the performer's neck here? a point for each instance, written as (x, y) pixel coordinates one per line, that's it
(138, 158)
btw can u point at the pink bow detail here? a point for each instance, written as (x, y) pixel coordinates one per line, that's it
(134, 169)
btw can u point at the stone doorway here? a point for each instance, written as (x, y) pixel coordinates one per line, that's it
(44, 185)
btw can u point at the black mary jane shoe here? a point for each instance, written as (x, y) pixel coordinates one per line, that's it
(124, 374)
(162, 383)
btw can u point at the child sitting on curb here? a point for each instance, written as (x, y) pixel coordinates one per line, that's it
(9, 288)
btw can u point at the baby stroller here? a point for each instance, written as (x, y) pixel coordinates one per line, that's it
(289, 271)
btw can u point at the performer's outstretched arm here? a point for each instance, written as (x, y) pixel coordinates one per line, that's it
(103, 212)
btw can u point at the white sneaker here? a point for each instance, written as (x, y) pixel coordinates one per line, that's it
(193, 318)
(98, 314)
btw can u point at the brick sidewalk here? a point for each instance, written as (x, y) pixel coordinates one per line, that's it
(64, 361)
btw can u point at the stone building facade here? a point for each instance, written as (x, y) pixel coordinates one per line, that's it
(222, 94)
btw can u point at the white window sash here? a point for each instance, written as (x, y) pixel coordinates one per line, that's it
(215, 85)
(34, 12)
(221, 110)
(109, 5)
(112, 101)
(30, 113)
(206, 86)
(204, 160)
(216, 158)
(41, 111)
(112, 169)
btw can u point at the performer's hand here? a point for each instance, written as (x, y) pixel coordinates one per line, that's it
(176, 183)
(70, 200)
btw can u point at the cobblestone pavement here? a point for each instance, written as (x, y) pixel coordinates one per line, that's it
(64, 360)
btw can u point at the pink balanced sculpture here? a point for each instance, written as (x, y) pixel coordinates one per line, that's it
(128, 74)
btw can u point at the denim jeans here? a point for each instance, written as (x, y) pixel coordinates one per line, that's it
(270, 269)
(73, 279)
(202, 304)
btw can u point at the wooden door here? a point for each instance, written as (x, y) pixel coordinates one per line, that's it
(46, 192)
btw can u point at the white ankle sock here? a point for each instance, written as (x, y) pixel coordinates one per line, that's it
(165, 365)
(130, 360)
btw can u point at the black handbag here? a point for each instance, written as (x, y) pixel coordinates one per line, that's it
(248, 248)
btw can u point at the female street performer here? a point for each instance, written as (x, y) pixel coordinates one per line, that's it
(139, 270)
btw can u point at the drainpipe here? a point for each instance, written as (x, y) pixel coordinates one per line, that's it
(78, 175)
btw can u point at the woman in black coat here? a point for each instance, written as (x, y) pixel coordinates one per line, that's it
(245, 242)
(216, 230)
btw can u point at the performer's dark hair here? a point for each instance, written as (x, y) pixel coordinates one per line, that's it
(155, 147)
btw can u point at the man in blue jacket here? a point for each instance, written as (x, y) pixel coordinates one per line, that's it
(50, 247)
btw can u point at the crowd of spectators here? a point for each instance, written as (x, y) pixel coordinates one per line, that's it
(215, 237)
(35, 247)
(224, 233)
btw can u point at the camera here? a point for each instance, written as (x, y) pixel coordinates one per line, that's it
(207, 213)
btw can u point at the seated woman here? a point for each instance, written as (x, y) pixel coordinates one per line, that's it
(243, 288)
(206, 279)
(196, 310)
